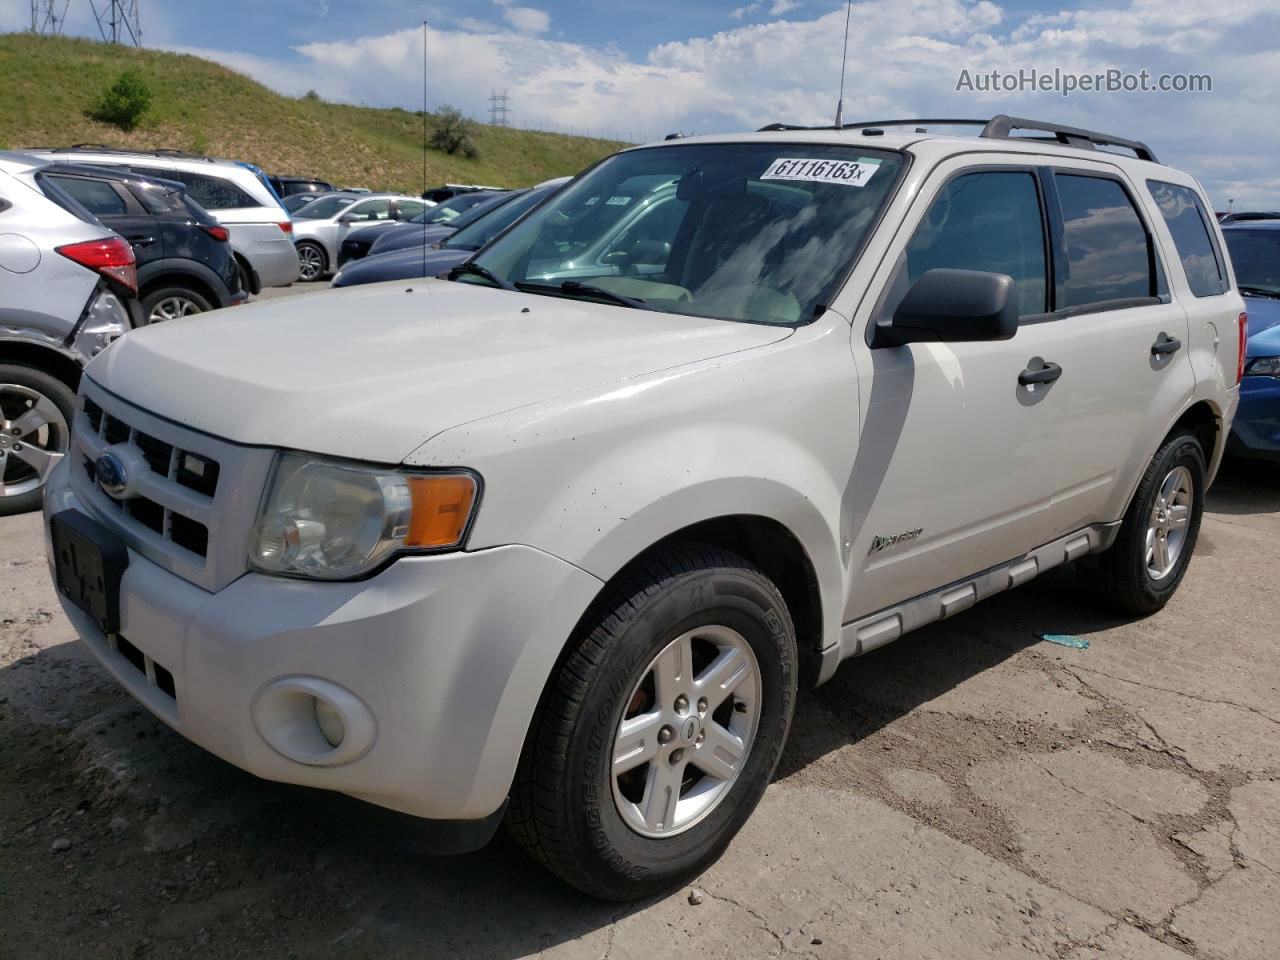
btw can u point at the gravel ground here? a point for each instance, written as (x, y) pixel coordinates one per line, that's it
(968, 792)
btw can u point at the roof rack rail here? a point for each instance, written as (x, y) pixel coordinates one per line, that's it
(1000, 127)
(139, 151)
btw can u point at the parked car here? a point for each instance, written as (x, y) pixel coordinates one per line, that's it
(292, 186)
(321, 226)
(68, 289)
(261, 231)
(451, 190)
(1255, 257)
(561, 542)
(430, 227)
(437, 259)
(183, 257)
(1226, 218)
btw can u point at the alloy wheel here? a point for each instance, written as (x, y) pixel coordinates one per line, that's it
(172, 308)
(1169, 523)
(33, 439)
(310, 263)
(687, 729)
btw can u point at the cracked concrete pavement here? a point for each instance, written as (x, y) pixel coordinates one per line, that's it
(968, 792)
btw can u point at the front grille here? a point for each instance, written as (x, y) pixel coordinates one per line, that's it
(171, 466)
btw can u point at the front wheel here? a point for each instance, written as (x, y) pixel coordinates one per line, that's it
(663, 727)
(1139, 573)
(312, 262)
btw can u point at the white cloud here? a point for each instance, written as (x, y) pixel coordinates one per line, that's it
(528, 20)
(737, 13)
(784, 6)
(905, 56)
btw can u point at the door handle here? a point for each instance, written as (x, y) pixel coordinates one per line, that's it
(141, 240)
(1165, 345)
(1045, 374)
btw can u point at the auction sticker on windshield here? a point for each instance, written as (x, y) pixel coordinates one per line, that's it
(851, 173)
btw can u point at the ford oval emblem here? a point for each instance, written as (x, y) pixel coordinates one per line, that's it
(111, 474)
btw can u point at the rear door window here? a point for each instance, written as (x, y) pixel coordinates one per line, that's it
(99, 197)
(371, 210)
(1109, 253)
(988, 221)
(213, 193)
(1188, 222)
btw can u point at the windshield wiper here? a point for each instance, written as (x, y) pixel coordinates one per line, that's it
(577, 289)
(1259, 291)
(483, 272)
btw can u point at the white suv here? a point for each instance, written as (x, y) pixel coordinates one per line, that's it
(561, 540)
(240, 198)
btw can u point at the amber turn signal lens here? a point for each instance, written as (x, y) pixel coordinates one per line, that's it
(441, 507)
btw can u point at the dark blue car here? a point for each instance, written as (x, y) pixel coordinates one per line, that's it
(438, 257)
(1255, 254)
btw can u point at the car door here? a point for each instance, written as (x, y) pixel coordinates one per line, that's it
(956, 464)
(1126, 367)
(113, 204)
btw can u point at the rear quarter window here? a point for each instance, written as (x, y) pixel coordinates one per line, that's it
(1188, 222)
(214, 193)
(99, 197)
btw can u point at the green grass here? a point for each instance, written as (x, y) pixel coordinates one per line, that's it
(198, 105)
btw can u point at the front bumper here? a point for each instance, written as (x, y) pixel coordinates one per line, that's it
(1255, 432)
(445, 655)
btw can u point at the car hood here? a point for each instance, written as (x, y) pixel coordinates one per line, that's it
(399, 265)
(373, 372)
(1264, 317)
(413, 235)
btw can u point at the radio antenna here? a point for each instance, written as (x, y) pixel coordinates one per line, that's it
(844, 60)
(424, 149)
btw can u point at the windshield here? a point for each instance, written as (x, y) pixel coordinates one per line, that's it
(451, 209)
(485, 223)
(761, 232)
(323, 208)
(1255, 255)
(295, 202)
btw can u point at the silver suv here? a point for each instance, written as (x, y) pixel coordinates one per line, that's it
(241, 199)
(562, 541)
(67, 289)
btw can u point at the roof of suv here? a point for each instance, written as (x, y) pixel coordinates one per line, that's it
(173, 155)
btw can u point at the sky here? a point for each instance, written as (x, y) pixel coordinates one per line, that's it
(644, 69)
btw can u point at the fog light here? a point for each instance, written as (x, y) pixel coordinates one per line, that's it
(330, 722)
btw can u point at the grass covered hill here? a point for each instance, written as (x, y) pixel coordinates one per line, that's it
(48, 83)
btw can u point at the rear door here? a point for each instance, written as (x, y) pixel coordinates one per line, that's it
(1122, 339)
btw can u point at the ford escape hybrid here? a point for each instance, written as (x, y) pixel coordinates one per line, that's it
(558, 540)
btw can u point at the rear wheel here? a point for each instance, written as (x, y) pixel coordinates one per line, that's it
(312, 262)
(36, 410)
(173, 303)
(1139, 573)
(663, 727)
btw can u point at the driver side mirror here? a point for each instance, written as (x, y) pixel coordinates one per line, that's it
(348, 218)
(952, 306)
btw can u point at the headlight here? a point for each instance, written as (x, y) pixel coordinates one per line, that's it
(330, 520)
(1263, 367)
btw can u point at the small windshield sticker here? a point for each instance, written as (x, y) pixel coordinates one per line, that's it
(850, 173)
(617, 201)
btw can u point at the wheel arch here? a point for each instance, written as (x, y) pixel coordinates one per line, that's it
(51, 361)
(190, 274)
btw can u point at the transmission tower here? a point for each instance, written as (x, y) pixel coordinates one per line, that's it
(499, 109)
(48, 17)
(118, 21)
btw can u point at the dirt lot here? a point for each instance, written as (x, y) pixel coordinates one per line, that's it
(969, 792)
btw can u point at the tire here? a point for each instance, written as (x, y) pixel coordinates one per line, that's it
(313, 262)
(173, 303)
(569, 811)
(1122, 576)
(21, 389)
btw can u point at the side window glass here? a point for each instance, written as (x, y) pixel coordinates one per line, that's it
(407, 209)
(1109, 255)
(371, 210)
(986, 221)
(1188, 221)
(97, 196)
(213, 193)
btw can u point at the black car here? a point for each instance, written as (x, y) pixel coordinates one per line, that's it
(439, 221)
(441, 256)
(288, 186)
(183, 254)
(451, 190)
